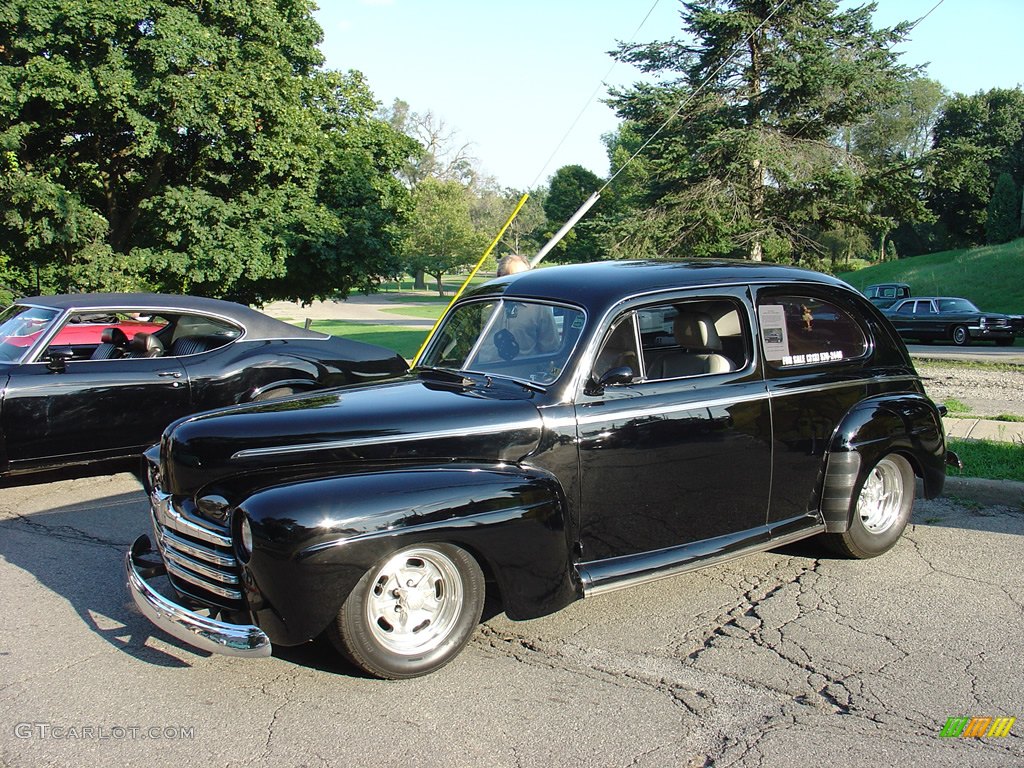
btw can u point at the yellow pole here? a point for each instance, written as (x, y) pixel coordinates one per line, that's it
(462, 288)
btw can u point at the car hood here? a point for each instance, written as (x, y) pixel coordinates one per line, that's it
(408, 420)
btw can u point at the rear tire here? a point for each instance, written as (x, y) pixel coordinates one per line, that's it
(412, 612)
(879, 512)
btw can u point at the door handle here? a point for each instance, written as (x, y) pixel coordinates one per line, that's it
(175, 374)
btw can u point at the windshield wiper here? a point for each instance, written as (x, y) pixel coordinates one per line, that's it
(447, 375)
(450, 375)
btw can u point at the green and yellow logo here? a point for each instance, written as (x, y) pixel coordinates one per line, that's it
(977, 727)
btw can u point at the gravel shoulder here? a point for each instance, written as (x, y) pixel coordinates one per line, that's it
(986, 391)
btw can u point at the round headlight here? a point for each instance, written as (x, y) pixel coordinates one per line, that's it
(245, 539)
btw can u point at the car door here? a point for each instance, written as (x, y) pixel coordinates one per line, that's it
(90, 409)
(815, 351)
(903, 319)
(930, 324)
(675, 456)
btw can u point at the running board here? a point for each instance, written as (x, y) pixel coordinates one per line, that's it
(616, 573)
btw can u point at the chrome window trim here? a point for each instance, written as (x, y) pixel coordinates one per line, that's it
(696, 405)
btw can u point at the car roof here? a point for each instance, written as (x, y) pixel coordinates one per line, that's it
(599, 285)
(934, 298)
(256, 324)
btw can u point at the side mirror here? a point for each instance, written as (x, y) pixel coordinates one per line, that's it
(623, 374)
(57, 360)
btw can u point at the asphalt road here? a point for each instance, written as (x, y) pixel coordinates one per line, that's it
(782, 659)
(982, 353)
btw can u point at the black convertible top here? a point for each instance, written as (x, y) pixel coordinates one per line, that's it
(256, 324)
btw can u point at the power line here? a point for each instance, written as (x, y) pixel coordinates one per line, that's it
(693, 95)
(590, 100)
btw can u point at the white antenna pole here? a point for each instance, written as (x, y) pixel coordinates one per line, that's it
(565, 228)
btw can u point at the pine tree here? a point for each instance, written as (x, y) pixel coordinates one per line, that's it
(748, 167)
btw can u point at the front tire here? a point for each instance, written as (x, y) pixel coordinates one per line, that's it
(961, 337)
(880, 511)
(412, 612)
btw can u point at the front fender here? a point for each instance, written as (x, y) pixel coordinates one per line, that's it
(908, 424)
(314, 539)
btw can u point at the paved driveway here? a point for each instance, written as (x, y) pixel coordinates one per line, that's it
(782, 659)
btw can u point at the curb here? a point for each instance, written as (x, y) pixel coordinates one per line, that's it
(1003, 493)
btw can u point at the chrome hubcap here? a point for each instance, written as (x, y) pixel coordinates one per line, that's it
(415, 601)
(881, 498)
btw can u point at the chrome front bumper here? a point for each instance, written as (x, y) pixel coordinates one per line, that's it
(195, 629)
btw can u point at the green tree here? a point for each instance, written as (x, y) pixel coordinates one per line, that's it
(760, 94)
(1002, 223)
(570, 187)
(189, 147)
(903, 129)
(977, 138)
(491, 208)
(441, 235)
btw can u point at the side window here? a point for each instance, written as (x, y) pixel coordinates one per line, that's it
(692, 338)
(802, 330)
(619, 348)
(194, 334)
(103, 335)
(906, 308)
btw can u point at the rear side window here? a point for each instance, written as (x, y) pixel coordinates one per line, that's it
(677, 340)
(803, 330)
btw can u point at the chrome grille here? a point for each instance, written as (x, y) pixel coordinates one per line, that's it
(199, 555)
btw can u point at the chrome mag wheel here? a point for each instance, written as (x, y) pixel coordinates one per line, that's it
(412, 612)
(881, 498)
(415, 601)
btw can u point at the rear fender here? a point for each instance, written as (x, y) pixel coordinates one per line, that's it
(908, 424)
(313, 540)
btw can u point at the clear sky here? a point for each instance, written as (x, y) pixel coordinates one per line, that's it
(513, 77)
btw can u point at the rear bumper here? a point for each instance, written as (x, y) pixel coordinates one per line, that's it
(190, 627)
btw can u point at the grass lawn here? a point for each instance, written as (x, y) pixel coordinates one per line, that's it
(404, 341)
(990, 276)
(429, 313)
(986, 458)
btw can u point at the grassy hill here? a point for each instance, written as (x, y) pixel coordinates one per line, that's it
(992, 276)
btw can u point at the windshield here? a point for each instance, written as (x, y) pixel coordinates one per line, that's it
(956, 305)
(19, 329)
(513, 338)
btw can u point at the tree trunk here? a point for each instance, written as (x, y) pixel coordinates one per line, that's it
(420, 281)
(440, 287)
(881, 248)
(121, 234)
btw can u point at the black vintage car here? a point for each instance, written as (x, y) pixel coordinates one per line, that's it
(92, 377)
(567, 431)
(947, 318)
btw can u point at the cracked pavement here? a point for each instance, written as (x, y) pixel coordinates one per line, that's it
(785, 658)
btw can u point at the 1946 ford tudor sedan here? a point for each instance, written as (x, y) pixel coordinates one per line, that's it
(567, 431)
